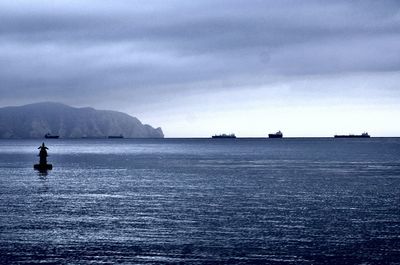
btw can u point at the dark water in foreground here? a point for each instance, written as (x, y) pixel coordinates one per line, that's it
(202, 201)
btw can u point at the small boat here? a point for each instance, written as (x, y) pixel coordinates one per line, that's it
(115, 136)
(278, 134)
(363, 135)
(49, 136)
(224, 136)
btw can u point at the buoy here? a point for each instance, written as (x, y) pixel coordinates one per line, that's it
(43, 166)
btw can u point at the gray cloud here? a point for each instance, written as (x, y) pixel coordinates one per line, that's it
(85, 51)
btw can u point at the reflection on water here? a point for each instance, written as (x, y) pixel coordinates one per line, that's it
(42, 174)
(43, 187)
(295, 201)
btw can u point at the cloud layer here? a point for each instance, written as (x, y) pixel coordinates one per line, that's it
(146, 52)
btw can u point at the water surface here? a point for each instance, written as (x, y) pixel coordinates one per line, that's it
(201, 201)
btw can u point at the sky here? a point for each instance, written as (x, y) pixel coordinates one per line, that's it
(198, 68)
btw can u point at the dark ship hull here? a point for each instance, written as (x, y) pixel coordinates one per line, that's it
(48, 136)
(275, 135)
(224, 136)
(115, 137)
(278, 134)
(352, 136)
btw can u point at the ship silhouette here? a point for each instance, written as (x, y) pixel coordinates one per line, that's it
(232, 135)
(363, 135)
(115, 136)
(278, 134)
(49, 136)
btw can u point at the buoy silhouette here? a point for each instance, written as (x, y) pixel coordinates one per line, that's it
(43, 166)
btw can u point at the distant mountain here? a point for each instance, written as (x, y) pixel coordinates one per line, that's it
(35, 120)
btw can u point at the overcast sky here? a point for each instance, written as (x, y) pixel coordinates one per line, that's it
(196, 68)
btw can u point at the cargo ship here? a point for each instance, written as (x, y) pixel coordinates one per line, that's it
(115, 136)
(278, 134)
(363, 135)
(224, 136)
(49, 136)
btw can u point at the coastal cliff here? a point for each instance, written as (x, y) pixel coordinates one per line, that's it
(35, 120)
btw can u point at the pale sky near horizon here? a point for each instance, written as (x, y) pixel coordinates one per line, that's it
(198, 68)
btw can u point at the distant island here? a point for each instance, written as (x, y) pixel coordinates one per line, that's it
(37, 120)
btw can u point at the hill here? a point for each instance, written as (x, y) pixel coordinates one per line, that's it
(35, 120)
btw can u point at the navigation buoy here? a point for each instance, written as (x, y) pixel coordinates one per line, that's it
(43, 166)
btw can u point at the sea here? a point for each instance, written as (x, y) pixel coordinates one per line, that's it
(201, 201)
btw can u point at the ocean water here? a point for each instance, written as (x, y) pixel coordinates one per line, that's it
(201, 201)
